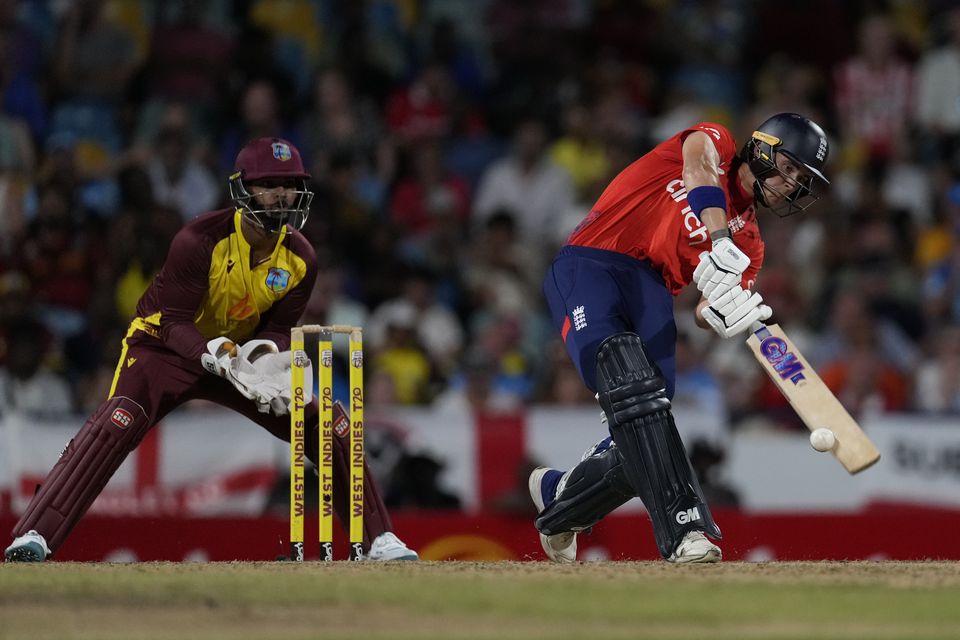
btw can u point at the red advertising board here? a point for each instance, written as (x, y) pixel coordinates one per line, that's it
(894, 533)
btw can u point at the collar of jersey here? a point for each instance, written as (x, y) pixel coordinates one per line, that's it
(245, 246)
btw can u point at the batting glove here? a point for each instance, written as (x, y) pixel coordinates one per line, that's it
(735, 311)
(720, 269)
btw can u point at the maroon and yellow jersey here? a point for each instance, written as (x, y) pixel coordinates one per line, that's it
(644, 213)
(208, 288)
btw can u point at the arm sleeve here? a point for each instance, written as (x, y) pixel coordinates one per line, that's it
(721, 137)
(185, 283)
(286, 313)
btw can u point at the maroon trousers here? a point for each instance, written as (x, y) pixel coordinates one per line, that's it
(150, 382)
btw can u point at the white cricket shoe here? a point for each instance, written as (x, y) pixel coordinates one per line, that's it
(695, 547)
(387, 546)
(561, 547)
(30, 547)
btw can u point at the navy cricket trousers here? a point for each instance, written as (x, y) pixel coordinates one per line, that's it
(593, 294)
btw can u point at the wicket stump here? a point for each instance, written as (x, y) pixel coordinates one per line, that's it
(300, 359)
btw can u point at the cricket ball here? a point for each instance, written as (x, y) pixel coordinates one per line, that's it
(823, 439)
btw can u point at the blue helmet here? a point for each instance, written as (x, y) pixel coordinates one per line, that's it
(803, 142)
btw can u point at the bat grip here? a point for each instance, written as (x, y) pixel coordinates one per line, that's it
(756, 326)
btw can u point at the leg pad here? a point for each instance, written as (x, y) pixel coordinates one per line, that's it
(594, 488)
(633, 395)
(86, 465)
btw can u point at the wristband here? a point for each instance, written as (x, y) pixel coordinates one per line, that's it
(720, 233)
(700, 198)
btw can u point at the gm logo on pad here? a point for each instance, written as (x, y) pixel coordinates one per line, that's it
(687, 515)
(121, 418)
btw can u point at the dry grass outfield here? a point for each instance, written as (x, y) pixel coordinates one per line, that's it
(239, 601)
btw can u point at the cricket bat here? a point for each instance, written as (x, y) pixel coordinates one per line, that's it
(809, 396)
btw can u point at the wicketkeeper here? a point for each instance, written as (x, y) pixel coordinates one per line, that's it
(684, 212)
(215, 325)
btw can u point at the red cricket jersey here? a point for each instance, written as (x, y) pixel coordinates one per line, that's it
(643, 212)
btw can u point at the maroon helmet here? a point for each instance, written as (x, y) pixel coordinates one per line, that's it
(270, 162)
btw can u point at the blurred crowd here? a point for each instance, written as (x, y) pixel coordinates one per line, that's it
(453, 145)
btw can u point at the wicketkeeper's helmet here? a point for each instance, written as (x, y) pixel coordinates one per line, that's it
(800, 139)
(270, 159)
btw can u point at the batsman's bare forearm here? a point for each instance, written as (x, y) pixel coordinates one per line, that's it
(701, 168)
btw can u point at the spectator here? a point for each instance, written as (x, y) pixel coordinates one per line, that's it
(475, 389)
(27, 384)
(260, 116)
(850, 317)
(190, 55)
(429, 195)
(401, 357)
(580, 151)
(863, 381)
(698, 390)
(57, 260)
(177, 178)
(938, 379)
(296, 34)
(437, 328)
(422, 110)
(527, 184)
(938, 92)
(874, 90)
(96, 58)
(342, 123)
(499, 269)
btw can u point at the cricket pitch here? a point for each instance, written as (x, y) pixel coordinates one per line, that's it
(497, 600)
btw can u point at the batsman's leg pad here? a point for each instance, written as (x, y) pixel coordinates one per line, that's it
(376, 520)
(86, 465)
(594, 488)
(633, 395)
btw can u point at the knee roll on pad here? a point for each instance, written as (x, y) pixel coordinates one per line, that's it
(629, 386)
(633, 395)
(86, 465)
(594, 488)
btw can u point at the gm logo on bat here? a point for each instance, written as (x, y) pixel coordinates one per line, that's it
(783, 360)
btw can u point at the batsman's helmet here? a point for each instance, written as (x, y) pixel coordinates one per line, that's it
(804, 143)
(266, 160)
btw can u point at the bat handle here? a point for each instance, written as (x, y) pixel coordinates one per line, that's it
(756, 326)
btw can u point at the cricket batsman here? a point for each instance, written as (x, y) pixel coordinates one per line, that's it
(683, 213)
(215, 325)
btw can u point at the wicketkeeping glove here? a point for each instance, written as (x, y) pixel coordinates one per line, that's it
(735, 311)
(720, 269)
(263, 375)
(217, 358)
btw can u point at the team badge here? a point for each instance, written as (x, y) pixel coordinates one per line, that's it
(281, 151)
(356, 358)
(277, 279)
(300, 358)
(326, 358)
